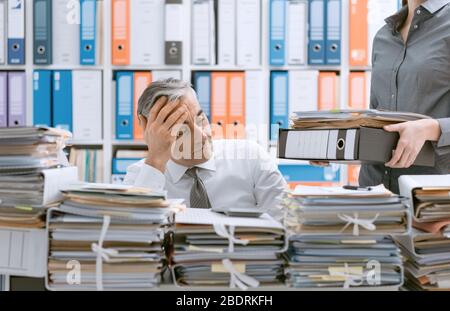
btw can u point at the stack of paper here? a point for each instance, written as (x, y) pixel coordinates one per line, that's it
(341, 238)
(31, 161)
(343, 262)
(114, 235)
(212, 249)
(345, 119)
(427, 250)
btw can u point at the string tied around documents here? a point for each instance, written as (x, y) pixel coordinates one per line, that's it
(238, 279)
(102, 253)
(221, 230)
(367, 224)
(350, 278)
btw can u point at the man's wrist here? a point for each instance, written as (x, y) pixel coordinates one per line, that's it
(159, 164)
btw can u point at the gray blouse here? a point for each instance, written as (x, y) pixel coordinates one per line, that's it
(415, 77)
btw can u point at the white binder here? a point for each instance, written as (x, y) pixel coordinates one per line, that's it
(203, 32)
(257, 115)
(297, 42)
(87, 105)
(248, 20)
(226, 32)
(66, 35)
(147, 32)
(303, 90)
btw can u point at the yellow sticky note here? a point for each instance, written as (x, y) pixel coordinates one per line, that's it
(346, 270)
(219, 268)
(24, 208)
(205, 249)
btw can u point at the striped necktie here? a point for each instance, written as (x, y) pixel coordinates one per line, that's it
(199, 196)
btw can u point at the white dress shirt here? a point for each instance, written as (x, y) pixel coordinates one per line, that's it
(240, 174)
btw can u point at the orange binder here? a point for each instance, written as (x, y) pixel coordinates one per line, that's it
(357, 90)
(236, 106)
(328, 91)
(121, 32)
(219, 103)
(359, 29)
(141, 81)
(353, 174)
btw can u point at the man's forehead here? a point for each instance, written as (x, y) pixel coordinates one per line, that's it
(191, 102)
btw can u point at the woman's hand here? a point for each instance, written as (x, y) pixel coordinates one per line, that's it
(413, 136)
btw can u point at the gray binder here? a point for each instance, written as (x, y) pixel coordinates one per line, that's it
(42, 24)
(361, 145)
(173, 39)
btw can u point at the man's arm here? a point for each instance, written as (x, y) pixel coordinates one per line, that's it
(146, 176)
(164, 116)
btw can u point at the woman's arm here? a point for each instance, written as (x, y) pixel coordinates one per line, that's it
(413, 136)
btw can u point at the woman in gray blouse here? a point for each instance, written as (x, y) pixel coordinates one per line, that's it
(411, 72)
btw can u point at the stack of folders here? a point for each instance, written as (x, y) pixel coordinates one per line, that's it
(31, 171)
(114, 234)
(31, 174)
(348, 136)
(340, 239)
(427, 250)
(212, 249)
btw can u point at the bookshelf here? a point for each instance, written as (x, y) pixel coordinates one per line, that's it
(109, 143)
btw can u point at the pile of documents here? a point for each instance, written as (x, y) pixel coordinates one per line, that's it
(31, 170)
(427, 250)
(212, 249)
(341, 238)
(114, 234)
(350, 136)
(344, 119)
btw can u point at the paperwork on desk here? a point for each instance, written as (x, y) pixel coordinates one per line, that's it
(334, 210)
(212, 249)
(427, 250)
(116, 233)
(343, 262)
(32, 170)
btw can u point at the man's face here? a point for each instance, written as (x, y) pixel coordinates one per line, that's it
(194, 138)
(193, 143)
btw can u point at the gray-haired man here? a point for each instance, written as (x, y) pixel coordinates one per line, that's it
(184, 160)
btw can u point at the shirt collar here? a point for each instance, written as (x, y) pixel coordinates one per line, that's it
(177, 171)
(435, 5)
(397, 20)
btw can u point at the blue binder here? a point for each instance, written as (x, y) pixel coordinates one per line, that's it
(333, 37)
(88, 32)
(307, 173)
(316, 32)
(124, 105)
(42, 98)
(42, 31)
(277, 32)
(16, 36)
(120, 165)
(62, 99)
(279, 97)
(202, 84)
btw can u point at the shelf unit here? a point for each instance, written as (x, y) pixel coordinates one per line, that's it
(108, 143)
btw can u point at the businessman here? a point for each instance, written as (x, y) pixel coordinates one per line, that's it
(185, 161)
